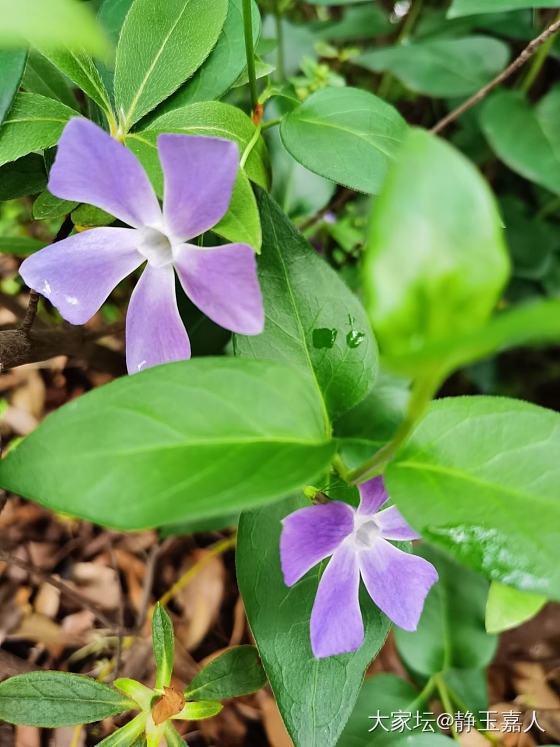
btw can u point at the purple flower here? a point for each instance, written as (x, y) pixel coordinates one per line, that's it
(78, 274)
(398, 582)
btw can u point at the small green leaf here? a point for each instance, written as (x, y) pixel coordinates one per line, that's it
(360, 22)
(52, 699)
(199, 710)
(507, 607)
(135, 690)
(189, 440)
(26, 176)
(469, 7)
(172, 737)
(12, 64)
(236, 672)
(241, 222)
(451, 631)
(436, 260)
(345, 134)
(89, 215)
(526, 138)
(33, 122)
(126, 736)
(20, 246)
(163, 644)
(160, 46)
(58, 22)
(441, 67)
(313, 320)
(47, 206)
(479, 479)
(214, 119)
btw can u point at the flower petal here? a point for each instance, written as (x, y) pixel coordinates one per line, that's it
(336, 619)
(91, 166)
(154, 331)
(78, 273)
(310, 535)
(397, 581)
(222, 281)
(393, 526)
(199, 173)
(372, 495)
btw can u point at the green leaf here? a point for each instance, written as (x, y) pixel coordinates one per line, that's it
(214, 119)
(58, 22)
(188, 440)
(20, 246)
(441, 67)
(436, 260)
(42, 77)
(345, 134)
(12, 64)
(199, 710)
(26, 176)
(531, 241)
(112, 14)
(451, 630)
(315, 696)
(241, 222)
(527, 139)
(127, 734)
(33, 122)
(89, 215)
(236, 672)
(534, 323)
(139, 693)
(479, 479)
(361, 22)
(47, 206)
(387, 694)
(160, 46)
(163, 644)
(172, 737)
(468, 7)
(507, 607)
(52, 699)
(80, 68)
(225, 63)
(313, 320)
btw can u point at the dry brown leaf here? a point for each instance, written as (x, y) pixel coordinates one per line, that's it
(28, 736)
(29, 397)
(473, 739)
(41, 629)
(531, 683)
(98, 583)
(66, 737)
(273, 724)
(170, 704)
(47, 601)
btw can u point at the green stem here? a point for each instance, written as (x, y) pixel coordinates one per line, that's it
(250, 145)
(271, 123)
(446, 701)
(280, 57)
(549, 209)
(250, 51)
(423, 696)
(421, 395)
(404, 33)
(464, 708)
(538, 61)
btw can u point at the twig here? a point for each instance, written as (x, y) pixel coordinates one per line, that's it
(63, 588)
(31, 312)
(156, 552)
(120, 628)
(336, 203)
(529, 50)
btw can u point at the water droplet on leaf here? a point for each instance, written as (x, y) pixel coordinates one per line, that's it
(354, 338)
(324, 337)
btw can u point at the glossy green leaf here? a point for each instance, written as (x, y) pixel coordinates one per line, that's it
(20, 246)
(315, 696)
(139, 693)
(225, 63)
(199, 710)
(345, 134)
(236, 672)
(58, 22)
(188, 440)
(89, 215)
(436, 260)
(479, 478)
(526, 138)
(214, 119)
(451, 630)
(160, 46)
(34, 122)
(44, 78)
(80, 68)
(507, 607)
(12, 64)
(127, 734)
(26, 176)
(468, 7)
(441, 67)
(163, 644)
(313, 320)
(52, 699)
(47, 206)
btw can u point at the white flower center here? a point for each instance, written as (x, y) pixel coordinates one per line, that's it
(366, 532)
(155, 246)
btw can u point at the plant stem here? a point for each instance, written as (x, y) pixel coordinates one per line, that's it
(271, 123)
(421, 395)
(464, 708)
(250, 51)
(538, 62)
(250, 145)
(446, 701)
(280, 57)
(423, 696)
(406, 30)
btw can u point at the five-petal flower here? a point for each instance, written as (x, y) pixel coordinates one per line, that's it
(78, 273)
(357, 539)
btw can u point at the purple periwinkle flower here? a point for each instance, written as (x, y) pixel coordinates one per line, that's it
(78, 273)
(357, 540)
